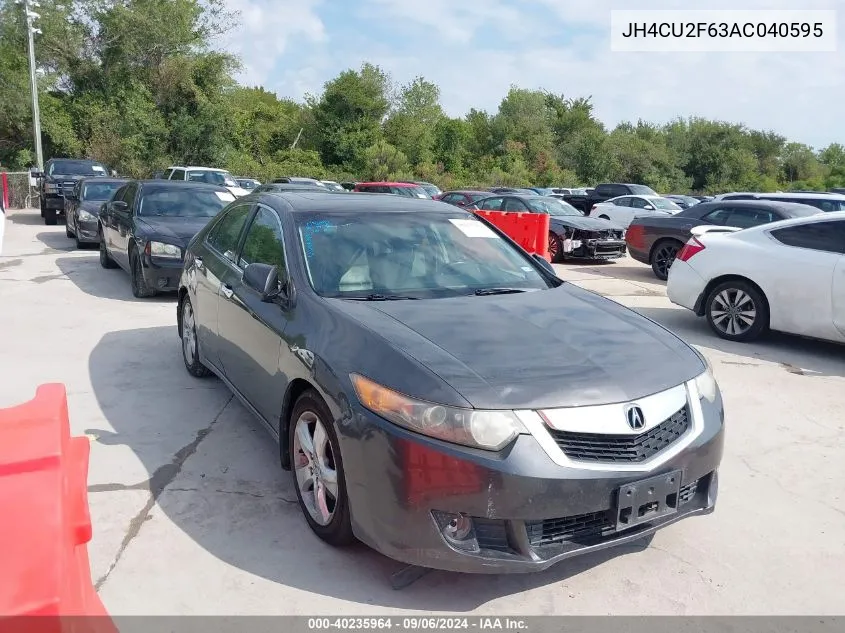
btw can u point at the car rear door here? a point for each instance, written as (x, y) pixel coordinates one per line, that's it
(122, 232)
(249, 329)
(215, 260)
(805, 292)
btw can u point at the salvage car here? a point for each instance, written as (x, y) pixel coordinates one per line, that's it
(82, 221)
(439, 394)
(787, 276)
(147, 224)
(656, 240)
(571, 234)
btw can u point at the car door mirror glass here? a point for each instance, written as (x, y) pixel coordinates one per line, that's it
(120, 206)
(648, 207)
(264, 279)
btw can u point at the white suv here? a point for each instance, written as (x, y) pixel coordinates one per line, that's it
(210, 175)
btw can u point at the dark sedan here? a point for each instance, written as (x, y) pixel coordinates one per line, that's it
(147, 224)
(656, 240)
(82, 208)
(572, 235)
(438, 393)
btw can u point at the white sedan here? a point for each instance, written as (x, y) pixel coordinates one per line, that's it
(787, 276)
(623, 209)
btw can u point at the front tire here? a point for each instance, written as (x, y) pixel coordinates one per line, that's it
(140, 289)
(662, 256)
(190, 344)
(555, 248)
(317, 470)
(737, 311)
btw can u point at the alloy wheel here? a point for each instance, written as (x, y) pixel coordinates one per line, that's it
(553, 246)
(189, 333)
(733, 311)
(663, 259)
(314, 464)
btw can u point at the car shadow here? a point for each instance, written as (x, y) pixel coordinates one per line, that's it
(795, 354)
(91, 278)
(215, 474)
(624, 268)
(29, 217)
(56, 240)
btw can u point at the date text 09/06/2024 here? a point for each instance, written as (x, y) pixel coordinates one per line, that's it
(724, 29)
(425, 623)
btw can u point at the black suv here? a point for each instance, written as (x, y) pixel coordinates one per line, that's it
(59, 179)
(606, 191)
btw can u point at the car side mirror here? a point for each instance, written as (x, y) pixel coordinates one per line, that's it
(264, 279)
(648, 207)
(120, 206)
(545, 264)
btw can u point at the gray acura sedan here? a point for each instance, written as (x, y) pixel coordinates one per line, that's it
(438, 393)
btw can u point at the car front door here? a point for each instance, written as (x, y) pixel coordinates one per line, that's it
(491, 204)
(215, 260)
(515, 205)
(123, 222)
(249, 329)
(803, 290)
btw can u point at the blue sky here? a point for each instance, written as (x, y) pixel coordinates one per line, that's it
(476, 49)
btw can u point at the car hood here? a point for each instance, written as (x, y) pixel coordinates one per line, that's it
(174, 230)
(563, 347)
(91, 206)
(584, 223)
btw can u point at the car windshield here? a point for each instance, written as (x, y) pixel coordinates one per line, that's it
(642, 190)
(417, 255)
(222, 178)
(411, 192)
(76, 168)
(99, 190)
(184, 202)
(664, 203)
(552, 206)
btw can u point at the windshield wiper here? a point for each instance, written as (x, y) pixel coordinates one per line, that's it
(380, 297)
(498, 291)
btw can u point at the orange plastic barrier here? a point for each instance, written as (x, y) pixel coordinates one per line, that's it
(529, 230)
(44, 521)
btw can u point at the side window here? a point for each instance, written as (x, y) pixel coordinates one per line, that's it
(492, 204)
(168, 174)
(619, 190)
(622, 202)
(514, 205)
(224, 235)
(118, 195)
(746, 218)
(178, 174)
(818, 236)
(719, 216)
(129, 195)
(606, 190)
(264, 243)
(638, 203)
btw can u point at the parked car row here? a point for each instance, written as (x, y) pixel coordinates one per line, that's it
(377, 338)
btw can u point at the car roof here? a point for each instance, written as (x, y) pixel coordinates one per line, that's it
(486, 193)
(787, 194)
(105, 179)
(186, 167)
(318, 201)
(158, 183)
(795, 208)
(389, 184)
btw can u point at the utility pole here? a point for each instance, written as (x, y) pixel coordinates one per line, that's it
(31, 30)
(296, 140)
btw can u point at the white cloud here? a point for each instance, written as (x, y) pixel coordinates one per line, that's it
(266, 30)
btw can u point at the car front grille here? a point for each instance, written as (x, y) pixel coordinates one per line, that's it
(609, 234)
(491, 534)
(580, 528)
(597, 447)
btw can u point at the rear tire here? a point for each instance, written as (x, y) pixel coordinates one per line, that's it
(324, 460)
(662, 256)
(737, 311)
(190, 343)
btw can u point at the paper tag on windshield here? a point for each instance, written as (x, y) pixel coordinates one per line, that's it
(97, 168)
(225, 197)
(473, 228)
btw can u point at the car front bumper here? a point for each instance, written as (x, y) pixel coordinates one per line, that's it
(597, 249)
(88, 231)
(162, 274)
(528, 512)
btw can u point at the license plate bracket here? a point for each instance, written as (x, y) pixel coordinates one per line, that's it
(647, 500)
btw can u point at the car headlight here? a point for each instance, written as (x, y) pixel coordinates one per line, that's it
(86, 216)
(706, 383)
(160, 249)
(489, 430)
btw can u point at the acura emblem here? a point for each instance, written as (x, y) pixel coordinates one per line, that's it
(634, 416)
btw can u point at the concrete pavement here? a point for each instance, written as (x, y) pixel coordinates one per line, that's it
(192, 514)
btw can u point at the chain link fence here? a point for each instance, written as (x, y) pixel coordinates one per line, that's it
(21, 195)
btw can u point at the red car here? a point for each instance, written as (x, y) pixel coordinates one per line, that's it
(405, 189)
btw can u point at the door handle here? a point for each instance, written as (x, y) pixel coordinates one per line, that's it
(227, 291)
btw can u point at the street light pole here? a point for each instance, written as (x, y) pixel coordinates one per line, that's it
(31, 30)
